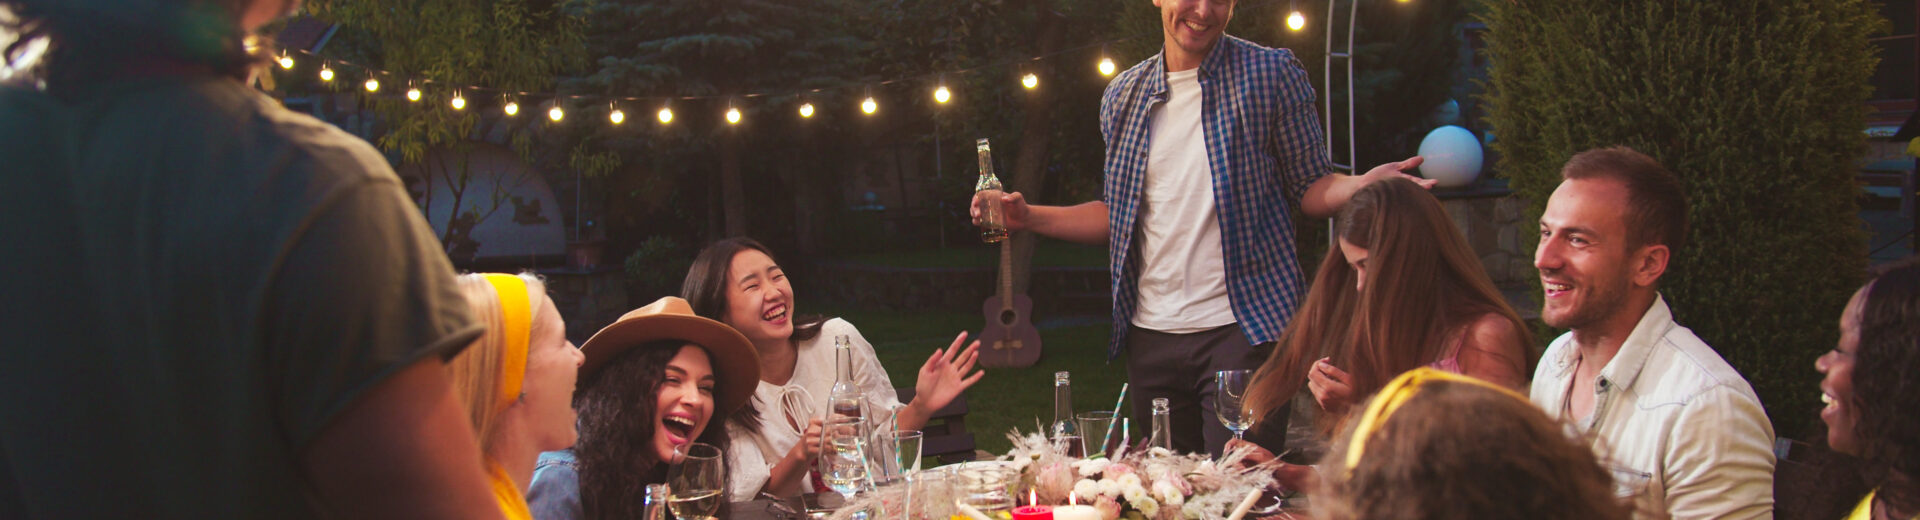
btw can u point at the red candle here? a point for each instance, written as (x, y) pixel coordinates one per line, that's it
(1033, 510)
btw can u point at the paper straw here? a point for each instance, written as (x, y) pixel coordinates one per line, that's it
(1116, 413)
(1246, 504)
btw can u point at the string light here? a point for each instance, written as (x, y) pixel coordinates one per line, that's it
(326, 73)
(458, 102)
(941, 95)
(1106, 66)
(1031, 81)
(511, 108)
(869, 105)
(286, 61)
(555, 113)
(666, 115)
(1296, 21)
(733, 116)
(413, 93)
(806, 110)
(616, 116)
(373, 84)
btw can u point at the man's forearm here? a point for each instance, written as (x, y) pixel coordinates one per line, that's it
(1084, 223)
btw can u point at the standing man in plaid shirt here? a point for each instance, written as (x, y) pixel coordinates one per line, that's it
(1210, 146)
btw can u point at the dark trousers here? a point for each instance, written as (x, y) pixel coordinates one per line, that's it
(1180, 367)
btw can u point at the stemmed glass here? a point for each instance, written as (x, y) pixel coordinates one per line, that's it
(843, 456)
(1229, 400)
(696, 478)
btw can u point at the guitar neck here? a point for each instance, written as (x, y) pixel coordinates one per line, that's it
(1006, 273)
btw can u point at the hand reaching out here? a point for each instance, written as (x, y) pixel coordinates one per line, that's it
(945, 374)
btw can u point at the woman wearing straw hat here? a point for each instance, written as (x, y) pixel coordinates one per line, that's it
(517, 381)
(653, 381)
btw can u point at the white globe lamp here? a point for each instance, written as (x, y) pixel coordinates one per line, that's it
(1452, 156)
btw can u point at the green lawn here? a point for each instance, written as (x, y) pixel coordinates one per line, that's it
(1005, 398)
(1049, 253)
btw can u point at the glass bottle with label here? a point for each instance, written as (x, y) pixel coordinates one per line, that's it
(993, 225)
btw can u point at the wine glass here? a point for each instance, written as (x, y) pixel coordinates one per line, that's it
(695, 478)
(1229, 400)
(843, 456)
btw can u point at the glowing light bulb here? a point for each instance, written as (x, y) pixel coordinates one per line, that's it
(1030, 81)
(869, 105)
(1296, 21)
(941, 95)
(326, 74)
(666, 115)
(1106, 66)
(373, 85)
(617, 116)
(556, 114)
(511, 108)
(733, 116)
(286, 62)
(413, 94)
(806, 110)
(459, 103)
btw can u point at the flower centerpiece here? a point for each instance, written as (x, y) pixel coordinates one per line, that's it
(1137, 484)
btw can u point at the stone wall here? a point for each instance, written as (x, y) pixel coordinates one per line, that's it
(1492, 220)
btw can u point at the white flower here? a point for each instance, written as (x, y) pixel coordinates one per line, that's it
(1130, 481)
(1109, 488)
(1090, 467)
(1147, 506)
(1135, 495)
(1169, 493)
(1086, 489)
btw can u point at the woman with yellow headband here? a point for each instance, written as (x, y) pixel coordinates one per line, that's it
(516, 381)
(1439, 445)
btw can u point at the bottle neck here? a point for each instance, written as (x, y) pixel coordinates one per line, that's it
(842, 363)
(1063, 405)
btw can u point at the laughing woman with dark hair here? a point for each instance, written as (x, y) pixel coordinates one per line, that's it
(1872, 383)
(653, 382)
(737, 281)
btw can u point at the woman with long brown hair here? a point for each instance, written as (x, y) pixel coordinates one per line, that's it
(1403, 290)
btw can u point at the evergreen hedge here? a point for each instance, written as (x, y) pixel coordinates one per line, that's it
(1758, 106)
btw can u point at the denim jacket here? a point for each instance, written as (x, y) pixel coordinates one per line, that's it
(555, 492)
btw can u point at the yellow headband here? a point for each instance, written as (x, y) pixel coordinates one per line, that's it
(516, 318)
(1397, 393)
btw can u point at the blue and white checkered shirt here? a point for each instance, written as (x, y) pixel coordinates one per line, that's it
(1264, 148)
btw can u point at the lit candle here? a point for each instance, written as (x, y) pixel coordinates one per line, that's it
(1033, 510)
(1075, 512)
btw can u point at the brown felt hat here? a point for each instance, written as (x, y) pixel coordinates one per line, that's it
(736, 365)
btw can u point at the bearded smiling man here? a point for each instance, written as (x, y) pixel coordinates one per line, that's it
(1683, 433)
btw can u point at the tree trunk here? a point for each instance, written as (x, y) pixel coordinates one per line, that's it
(734, 195)
(1036, 133)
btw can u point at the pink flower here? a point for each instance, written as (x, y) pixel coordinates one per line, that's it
(1109, 508)
(1115, 470)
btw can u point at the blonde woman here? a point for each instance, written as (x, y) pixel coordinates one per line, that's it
(516, 381)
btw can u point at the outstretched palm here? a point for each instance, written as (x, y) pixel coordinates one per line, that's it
(946, 374)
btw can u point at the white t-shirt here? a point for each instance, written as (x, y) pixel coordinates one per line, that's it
(753, 453)
(1183, 274)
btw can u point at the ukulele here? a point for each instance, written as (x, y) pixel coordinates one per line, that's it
(1009, 339)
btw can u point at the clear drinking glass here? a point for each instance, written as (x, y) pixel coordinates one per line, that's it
(1094, 428)
(696, 479)
(1229, 400)
(843, 456)
(896, 455)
